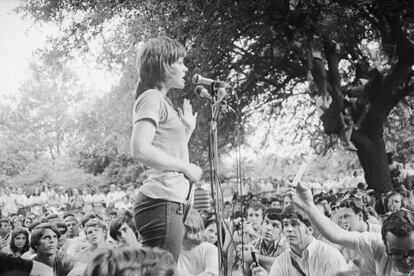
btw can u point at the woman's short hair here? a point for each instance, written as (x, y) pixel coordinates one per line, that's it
(128, 261)
(154, 61)
(194, 227)
(37, 234)
(17, 231)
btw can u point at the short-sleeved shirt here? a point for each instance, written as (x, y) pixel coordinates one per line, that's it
(318, 258)
(370, 245)
(202, 258)
(353, 258)
(170, 137)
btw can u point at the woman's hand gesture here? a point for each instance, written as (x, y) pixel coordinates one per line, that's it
(186, 115)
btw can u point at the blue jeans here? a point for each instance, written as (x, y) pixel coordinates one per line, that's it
(160, 223)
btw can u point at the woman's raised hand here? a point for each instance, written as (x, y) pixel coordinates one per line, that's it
(186, 115)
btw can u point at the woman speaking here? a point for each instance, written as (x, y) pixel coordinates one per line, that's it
(159, 140)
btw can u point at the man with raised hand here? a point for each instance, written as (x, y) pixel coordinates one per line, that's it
(307, 255)
(392, 250)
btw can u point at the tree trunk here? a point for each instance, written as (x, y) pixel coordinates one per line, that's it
(373, 159)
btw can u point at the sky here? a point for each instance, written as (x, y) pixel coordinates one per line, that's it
(18, 39)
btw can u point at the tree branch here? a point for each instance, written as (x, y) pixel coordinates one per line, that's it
(333, 63)
(405, 48)
(406, 91)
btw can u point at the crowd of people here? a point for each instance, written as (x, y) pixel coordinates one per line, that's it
(263, 235)
(58, 199)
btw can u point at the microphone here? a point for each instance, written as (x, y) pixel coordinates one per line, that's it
(221, 94)
(197, 79)
(202, 92)
(254, 258)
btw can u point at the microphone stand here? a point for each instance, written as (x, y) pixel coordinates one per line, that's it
(214, 179)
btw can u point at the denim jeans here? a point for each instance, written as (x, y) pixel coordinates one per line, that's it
(160, 223)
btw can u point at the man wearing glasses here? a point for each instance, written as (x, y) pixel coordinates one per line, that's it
(392, 250)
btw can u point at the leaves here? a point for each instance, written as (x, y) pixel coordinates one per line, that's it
(262, 48)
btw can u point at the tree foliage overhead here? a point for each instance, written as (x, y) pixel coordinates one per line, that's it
(266, 48)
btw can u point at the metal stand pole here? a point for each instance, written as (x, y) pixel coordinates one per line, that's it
(215, 184)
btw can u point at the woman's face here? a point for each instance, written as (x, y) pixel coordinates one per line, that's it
(176, 78)
(210, 233)
(20, 241)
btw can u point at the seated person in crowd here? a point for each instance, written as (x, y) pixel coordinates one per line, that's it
(44, 241)
(31, 253)
(124, 232)
(276, 203)
(19, 243)
(72, 224)
(325, 205)
(63, 230)
(196, 257)
(210, 228)
(244, 231)
(307, 255)
(5, 232)
(394, 201)
(96, 234)
(253, 226)
(126, 261)
(75, 242)
(392, 250)
(270, 245)
(352, 216)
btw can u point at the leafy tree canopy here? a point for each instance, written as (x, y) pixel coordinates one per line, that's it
(356, 55)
